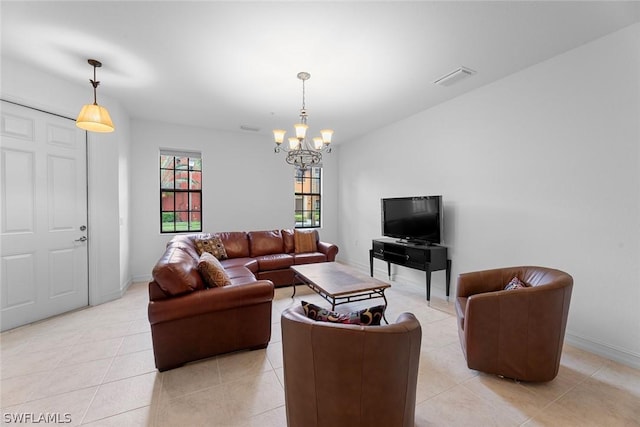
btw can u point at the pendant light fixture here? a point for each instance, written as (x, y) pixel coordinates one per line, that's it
(301, 153)
(94, 117)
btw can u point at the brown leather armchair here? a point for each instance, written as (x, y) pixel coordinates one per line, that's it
(514, 333)
(350, 375)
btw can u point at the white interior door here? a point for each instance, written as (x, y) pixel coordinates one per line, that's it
(43, 231)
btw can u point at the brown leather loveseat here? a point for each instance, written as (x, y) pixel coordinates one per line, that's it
(190, 321)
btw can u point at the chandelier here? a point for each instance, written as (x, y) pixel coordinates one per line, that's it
(300, 152)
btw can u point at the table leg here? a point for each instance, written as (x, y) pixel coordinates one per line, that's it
(448, 273)
(294, 286)
(428, 271)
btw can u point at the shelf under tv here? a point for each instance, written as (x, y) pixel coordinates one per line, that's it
(419, 256)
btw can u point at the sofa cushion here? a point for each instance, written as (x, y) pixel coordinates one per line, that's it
(235, 272)
(305, 241)
(265, 242)
(288, 240)
(236, 244)
(176, 272)
(213, 273)
(249, 263)
(368, 317)
(212, 244)
(274, 262)
(309, 258)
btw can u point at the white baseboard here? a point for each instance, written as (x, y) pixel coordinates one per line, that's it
(604, 350)
(142, 278)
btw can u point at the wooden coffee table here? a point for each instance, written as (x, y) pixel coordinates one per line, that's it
(340, 284)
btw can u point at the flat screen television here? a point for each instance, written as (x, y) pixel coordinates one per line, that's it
(413, 219)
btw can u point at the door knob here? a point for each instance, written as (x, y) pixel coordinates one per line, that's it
(82, 239)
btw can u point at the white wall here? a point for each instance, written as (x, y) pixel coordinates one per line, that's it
(245, 186)
(107, 174)
(542, 168)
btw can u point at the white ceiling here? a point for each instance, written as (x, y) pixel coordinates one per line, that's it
(227, 64)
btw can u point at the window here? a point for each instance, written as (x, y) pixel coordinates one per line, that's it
(180, 192)
(308, 197)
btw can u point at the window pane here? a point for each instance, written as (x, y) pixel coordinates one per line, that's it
(182, 163)
(315, 186)
(195, 164)
(195, 182)
(168, 221)
(194, 222)
(194, 204)
(167, 201)
(166, 162)
(166, 179)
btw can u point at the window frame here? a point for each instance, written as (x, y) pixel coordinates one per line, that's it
(300, 185)
(194, 167)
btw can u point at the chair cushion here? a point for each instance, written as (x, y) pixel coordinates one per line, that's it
(305, 241)
(368, 317)
(213, 273)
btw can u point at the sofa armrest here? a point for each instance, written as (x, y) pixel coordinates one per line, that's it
(209, 300)
(329, 249)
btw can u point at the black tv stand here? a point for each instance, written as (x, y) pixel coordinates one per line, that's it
(422, 256)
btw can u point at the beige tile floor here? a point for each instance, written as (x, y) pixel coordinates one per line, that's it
(95, 367)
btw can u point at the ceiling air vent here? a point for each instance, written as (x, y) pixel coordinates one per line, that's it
(455, 76)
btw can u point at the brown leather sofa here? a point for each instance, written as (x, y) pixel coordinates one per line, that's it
(514, 333)
(191, 322)
(344, 375)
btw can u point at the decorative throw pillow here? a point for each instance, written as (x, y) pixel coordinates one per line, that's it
(515, 283)
(368, 317)
(213, 245)
(305, 241)
(212, 271)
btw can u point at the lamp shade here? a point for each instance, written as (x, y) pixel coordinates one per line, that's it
(326, 135)
(301, 130)
(294, 143)
(94, 118)
(278, 135)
